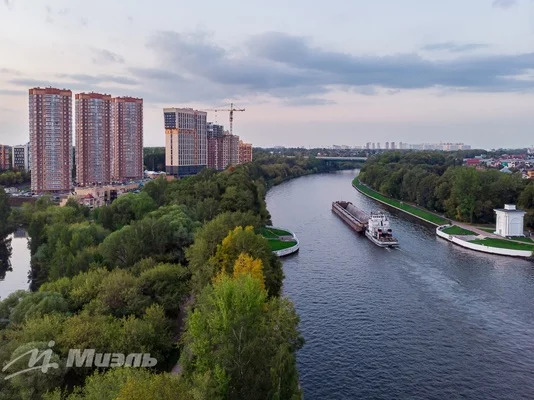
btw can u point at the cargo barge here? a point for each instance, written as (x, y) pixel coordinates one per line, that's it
(352, 216)
(375, 226)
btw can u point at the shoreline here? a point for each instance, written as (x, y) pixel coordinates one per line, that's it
(455, 239)
(419, 218)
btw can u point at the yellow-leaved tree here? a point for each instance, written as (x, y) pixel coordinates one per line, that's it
(245, 264)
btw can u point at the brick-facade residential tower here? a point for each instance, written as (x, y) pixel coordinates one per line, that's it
(127, 138)
(245, 152)
(50, 112)
(5, 154)
(93, 138)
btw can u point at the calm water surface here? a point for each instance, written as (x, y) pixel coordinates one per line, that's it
(14, 272)
(427, 321)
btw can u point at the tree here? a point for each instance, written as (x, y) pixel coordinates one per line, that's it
(128, 384)
(120, 295)
(37, 304)
(33, 384)
(465, 191)
(80, 289)
(526, 198)
(167, 285)
(245, 264)
(232, 350)
(206, 241)
(5, 211)
(244, 240)
(156, 189)
(168, 231)
(127, 208)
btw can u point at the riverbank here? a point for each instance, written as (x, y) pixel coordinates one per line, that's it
(463, 235)
(414, 211)
(472, 241)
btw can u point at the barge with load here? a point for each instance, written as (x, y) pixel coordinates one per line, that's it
(375, 226)
(351, 215)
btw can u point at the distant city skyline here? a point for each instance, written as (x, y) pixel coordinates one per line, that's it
(384, 71)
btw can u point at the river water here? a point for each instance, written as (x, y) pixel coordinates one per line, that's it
(14, 270)
(427, 321)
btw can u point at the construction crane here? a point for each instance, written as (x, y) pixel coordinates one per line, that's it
(231, 110)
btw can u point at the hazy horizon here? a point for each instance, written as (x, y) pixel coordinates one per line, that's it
(313, 75)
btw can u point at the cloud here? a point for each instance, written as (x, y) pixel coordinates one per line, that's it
(9, 71)
(504, 3)
(103, 56)
(51, 13)
(98, 79)
(193, 67)
(309, 101)
(454, 47)
(79, 82)
(10, 92)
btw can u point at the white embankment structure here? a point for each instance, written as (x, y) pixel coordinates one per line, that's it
(480, 247)
(289, 250)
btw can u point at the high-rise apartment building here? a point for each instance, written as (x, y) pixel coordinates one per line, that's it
(50, 112)
(126, 138)
(230, 152)
(20, 157)
(245, 152)
(215, 146)
(5, 155)
(93, 138)
(186, 144)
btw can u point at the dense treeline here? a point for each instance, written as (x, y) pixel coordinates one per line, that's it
(120, 279)
(437, 181)
(12, 178)
(154, 158)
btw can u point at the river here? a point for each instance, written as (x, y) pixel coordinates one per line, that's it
(14, 271)
(427, 321)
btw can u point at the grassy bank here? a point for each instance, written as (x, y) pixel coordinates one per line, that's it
(273, 236)
(276, 245)
(419, 212)
(504, 244)
(523, 239)
(456, 230)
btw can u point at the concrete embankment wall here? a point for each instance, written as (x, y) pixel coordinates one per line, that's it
(480, 247)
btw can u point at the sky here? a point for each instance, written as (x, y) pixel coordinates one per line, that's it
(309, 73)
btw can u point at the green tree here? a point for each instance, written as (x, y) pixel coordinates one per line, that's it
(127, 384)
(37, 304)
(33, 384)
(127, 208)
(167, 285)
(163, 235)
(526, 199)
(208, 238)
(5, 211)
(246, 241)
(119, 294)
(232, 350)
